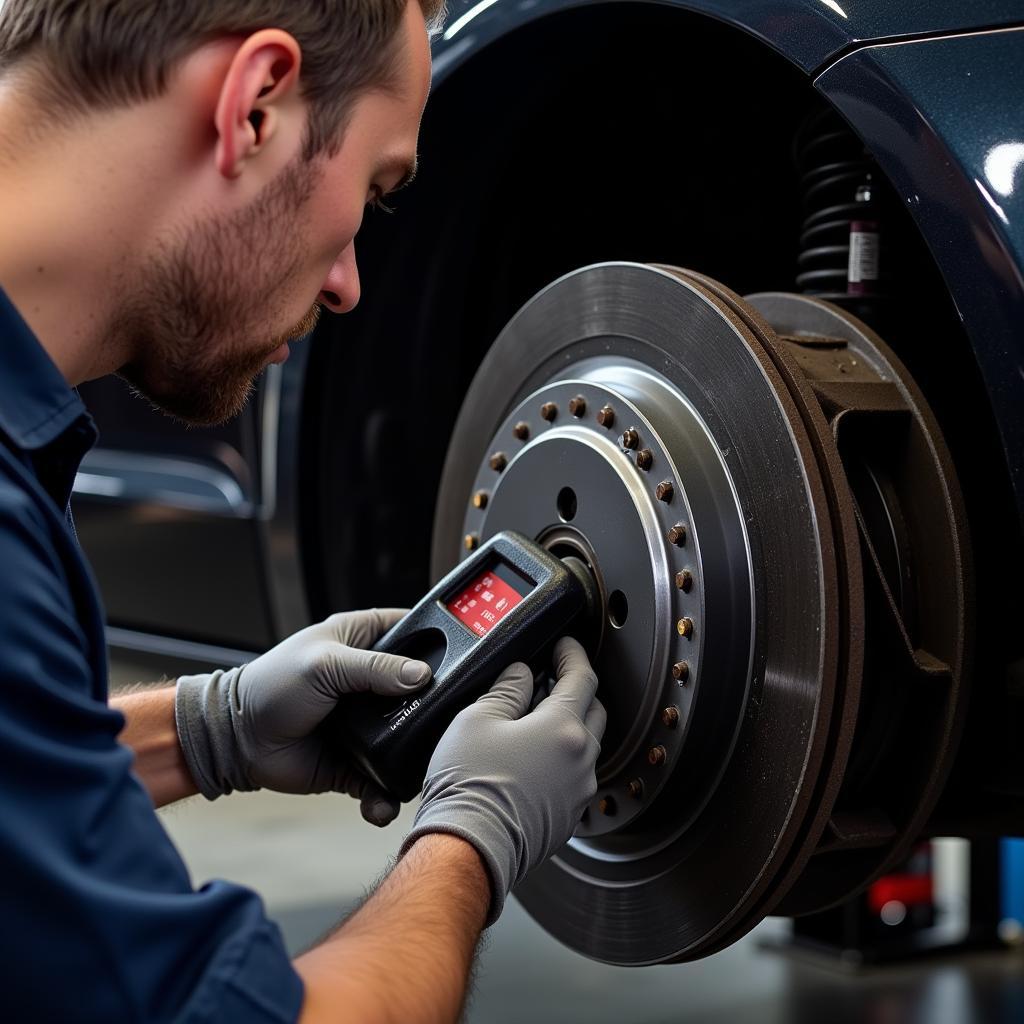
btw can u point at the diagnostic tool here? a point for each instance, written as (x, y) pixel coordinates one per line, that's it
(508, 602)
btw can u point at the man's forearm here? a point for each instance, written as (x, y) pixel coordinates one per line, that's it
(151, 733)
(405, 956)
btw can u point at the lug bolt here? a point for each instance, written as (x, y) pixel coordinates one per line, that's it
(548, 411)
(472, 540)
(522, 431)
(684, 581)
(578, 406)
(636, 789)
(670, 717)
(681, 671)
(656, 755)
(480, 499)
(644, 458)
(631, 439)
(498, 461)
(677, 535)
(606, 416)
(665, 491)
(684, 627)
(607, 806)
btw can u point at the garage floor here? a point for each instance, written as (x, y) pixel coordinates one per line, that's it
(313, 857)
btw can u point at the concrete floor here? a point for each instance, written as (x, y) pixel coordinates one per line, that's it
(312, 859)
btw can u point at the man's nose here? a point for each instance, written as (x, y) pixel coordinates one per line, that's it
(340, 293)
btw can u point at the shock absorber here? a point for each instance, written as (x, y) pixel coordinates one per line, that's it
(840, 237)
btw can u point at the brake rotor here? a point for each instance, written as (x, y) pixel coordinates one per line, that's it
(650, 422)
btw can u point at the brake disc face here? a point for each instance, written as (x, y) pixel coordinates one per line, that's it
(642, 419)
(594, 469)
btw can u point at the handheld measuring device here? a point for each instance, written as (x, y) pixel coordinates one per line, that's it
(510, 601)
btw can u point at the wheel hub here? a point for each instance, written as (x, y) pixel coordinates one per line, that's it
(585, 465)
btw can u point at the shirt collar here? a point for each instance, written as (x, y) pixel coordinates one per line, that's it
(36, 404)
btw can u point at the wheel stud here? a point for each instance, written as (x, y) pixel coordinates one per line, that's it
(684, 627)
(656, 755)
(480, 499)
(670, 717)
(578, 406)
(606, 416)
(631, 439)
(677, 535)
(684, 581)
(472, 541)
(636, 789)
(644, 459)
(665, 491)
(607, 806)
(498, 461)
(522, 431)
(548, 411)
(681, 671)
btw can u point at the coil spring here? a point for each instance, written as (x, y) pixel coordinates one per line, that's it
(832, 164)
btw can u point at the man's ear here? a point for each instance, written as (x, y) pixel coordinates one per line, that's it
(262, 75)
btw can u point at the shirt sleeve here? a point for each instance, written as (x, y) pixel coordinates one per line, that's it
(98, 917)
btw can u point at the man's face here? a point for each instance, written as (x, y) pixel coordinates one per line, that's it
(213, 306)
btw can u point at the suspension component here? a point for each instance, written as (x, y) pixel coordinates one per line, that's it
(840, 239)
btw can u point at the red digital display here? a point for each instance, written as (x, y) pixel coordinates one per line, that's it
(484, 603)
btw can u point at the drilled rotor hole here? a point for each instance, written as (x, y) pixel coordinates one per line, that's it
(566, 503)
(618, 609)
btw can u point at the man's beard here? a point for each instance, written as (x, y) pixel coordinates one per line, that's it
(195, 319)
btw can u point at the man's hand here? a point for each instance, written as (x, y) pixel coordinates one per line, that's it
(514, 782)
(258, 726)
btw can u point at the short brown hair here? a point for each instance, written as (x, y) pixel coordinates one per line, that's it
(106, 53)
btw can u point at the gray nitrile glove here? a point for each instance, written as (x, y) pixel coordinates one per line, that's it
(258, 726)
(514, 782)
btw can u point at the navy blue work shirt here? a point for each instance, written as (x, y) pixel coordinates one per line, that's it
(98, 918)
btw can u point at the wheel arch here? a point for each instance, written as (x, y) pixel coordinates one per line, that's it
(526, 177)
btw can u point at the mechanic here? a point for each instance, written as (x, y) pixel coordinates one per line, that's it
(180, 186)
